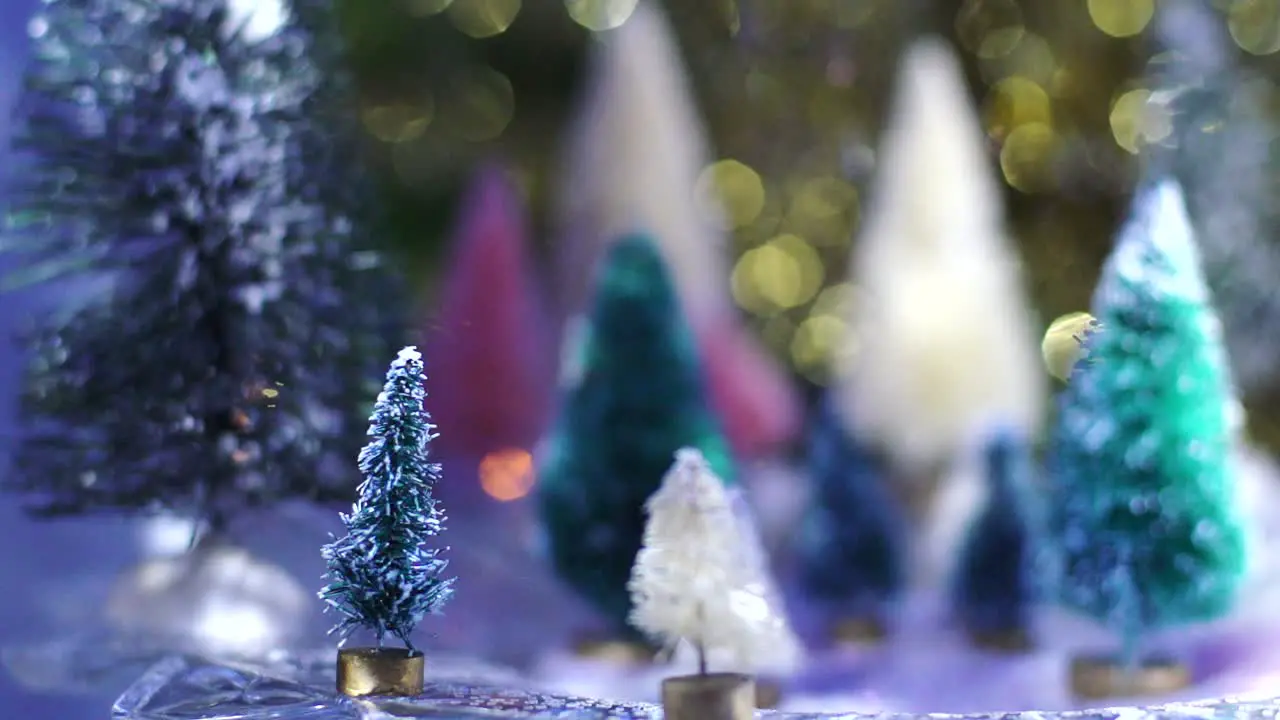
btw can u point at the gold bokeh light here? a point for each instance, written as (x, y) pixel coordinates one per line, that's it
(483, 18)
(481, 106)
(1026, 158)
(1137, 120)
(1013, 102)
(598, 15)
(1121, 18)
(824, 210)
(734, 188)
(398, 122)
(782, 274)
(1255, 25)
(989, 28)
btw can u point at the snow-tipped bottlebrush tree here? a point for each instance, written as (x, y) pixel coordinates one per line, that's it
(852, 545)
(1142, 503)
(633, 395)
(217, 371)
(699, 578)
(993, 588)
(381, 575)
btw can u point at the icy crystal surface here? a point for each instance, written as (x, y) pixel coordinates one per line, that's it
(292, 688)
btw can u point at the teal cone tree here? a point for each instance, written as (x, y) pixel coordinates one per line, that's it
(993, 589)
(381, 574)
(852, 554)
(632, 396)
(1142, 503)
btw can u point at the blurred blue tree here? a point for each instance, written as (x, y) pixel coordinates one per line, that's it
(219, 369)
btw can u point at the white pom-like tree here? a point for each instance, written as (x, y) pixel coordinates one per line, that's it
(701, 578)
(947, 343)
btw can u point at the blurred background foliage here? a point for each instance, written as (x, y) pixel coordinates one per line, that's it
(794, 94)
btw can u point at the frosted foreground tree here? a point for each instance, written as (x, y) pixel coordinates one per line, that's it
(381, 576)
(700, 577)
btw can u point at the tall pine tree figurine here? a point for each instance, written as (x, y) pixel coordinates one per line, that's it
(633, 396)
(852, 554)
(381, 575)
(1142, 501)
(216, 372)
(992, 592)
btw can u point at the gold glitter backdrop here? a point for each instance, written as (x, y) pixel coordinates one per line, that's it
(794, 93)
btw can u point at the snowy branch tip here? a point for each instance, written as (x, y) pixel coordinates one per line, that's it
(408, 355)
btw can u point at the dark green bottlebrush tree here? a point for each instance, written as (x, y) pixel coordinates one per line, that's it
(852, 545)
(1142, 505)
(633, 396)
(215, 371)
(381, 575)
(993, 588)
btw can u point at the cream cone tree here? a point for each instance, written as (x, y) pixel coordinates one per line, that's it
(948, 345)
(701, 579)
(632, 164)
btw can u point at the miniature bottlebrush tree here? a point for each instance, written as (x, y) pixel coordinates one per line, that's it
(698, 578)
(381, 575)
(1142, 501)
(216, 370)
(852, 545)
(993, 587)
(939, 286)
(638, 157)
(633, 395)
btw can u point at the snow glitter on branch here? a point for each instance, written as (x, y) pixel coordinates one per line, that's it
(380, 575)
(700, 577)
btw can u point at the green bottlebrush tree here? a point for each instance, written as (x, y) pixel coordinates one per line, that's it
(216, 371)
(634, 396)
(381, 575)
(993, 590)
(852, 546)
(1142, 504)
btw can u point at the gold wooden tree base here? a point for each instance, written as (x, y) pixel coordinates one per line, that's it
(615, 651)
(1002, 641)
(714, 696)
(380, 671)
(1097, 678)
(768, 694)
(858, 631)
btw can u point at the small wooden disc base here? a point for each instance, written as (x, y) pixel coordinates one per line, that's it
(614, 651)
(1098, 678)
(858, 631)
(380, 671)
(768, 694)
(714, 696)
(1011, 641)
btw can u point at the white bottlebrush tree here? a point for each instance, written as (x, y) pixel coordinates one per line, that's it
(948, 344)
(701, 578)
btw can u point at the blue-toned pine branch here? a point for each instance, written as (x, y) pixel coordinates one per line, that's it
(214, 371)
(381, 576)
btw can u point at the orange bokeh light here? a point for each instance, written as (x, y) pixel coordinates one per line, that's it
(507, 474)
